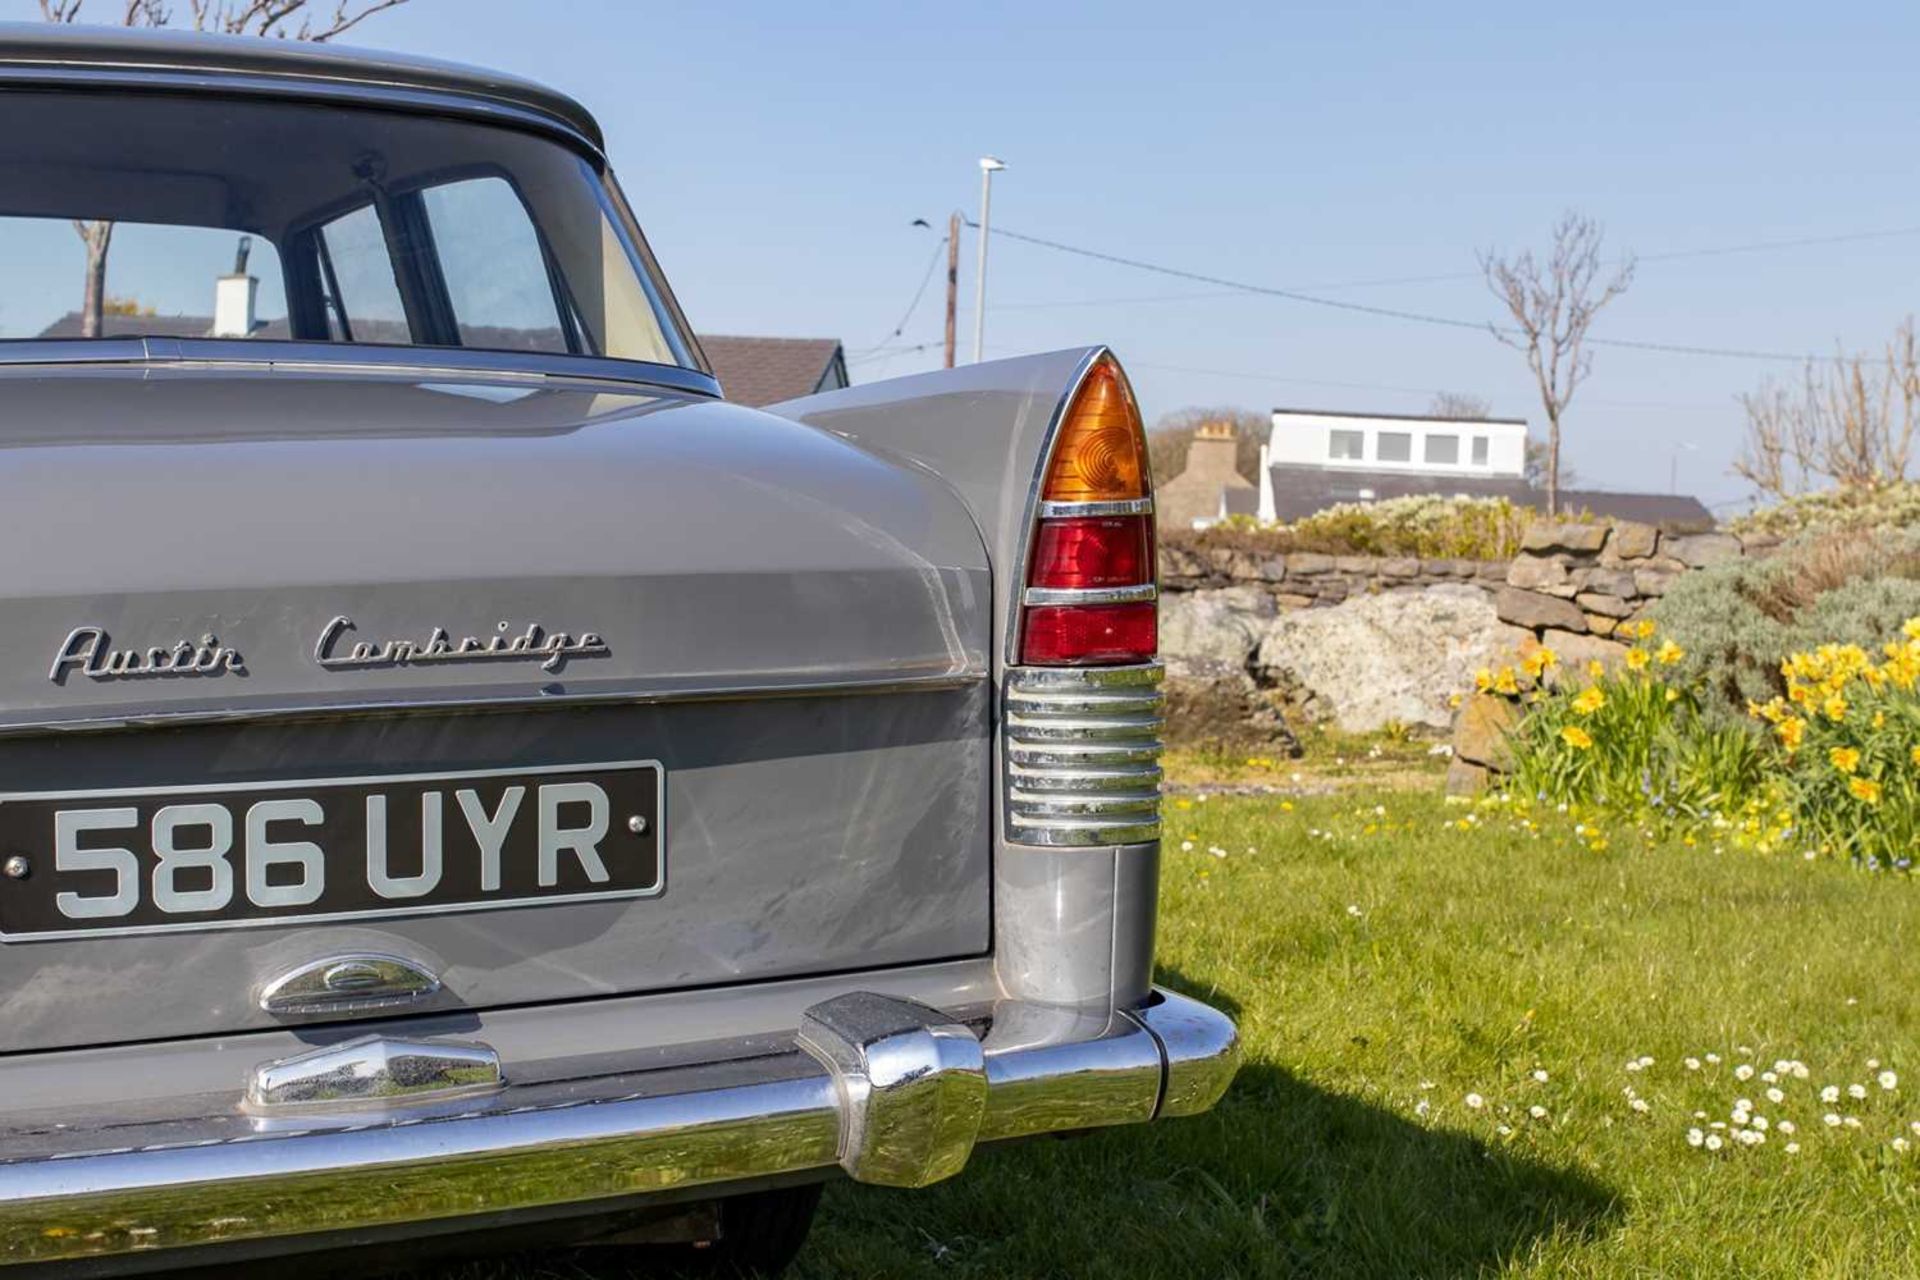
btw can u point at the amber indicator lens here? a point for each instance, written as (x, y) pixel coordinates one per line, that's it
(1091, 634)
(1101, 455)
(1097, 551)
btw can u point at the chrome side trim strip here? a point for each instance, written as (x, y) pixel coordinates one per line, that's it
(1083, 754)
(1090, 595)
(117, 1185)
(290, 356)
(405, 702)
(1122, 507)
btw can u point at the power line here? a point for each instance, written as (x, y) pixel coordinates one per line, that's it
(1415, 317)
(932, 261)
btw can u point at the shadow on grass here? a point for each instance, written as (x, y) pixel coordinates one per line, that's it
(1282, 1179)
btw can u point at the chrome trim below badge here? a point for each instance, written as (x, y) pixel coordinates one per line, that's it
(348, 984)
(550, 649)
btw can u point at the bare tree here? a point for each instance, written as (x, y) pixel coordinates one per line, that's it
(1849, 424)
(1553, 303)
(1459, 405)
(228, 17)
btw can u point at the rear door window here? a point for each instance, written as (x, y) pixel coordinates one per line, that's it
(496, 272)
(363, 300)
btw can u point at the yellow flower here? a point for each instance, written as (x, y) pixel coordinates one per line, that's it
(1845, 759)
(1879, 719)
(1673, 695)
(1590, 700)
(1454, 701)
(1595, 668)
(1911, 629)
(1864, 789)
(1483, 680)
(1637, 659)
(1576, 737)
(1914, 755)
(1792, 730)
(1669, 653)
(1644, 629)
(1835, 708)
(1505, 683)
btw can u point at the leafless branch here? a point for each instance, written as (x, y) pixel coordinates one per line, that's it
(1553, 304)
(1851, 424)
(273, 17)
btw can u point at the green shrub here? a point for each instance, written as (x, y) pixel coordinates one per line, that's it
(1429, 527)
(1738, 619)
(1888, 506)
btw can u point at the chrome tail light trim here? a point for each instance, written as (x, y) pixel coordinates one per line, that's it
(1083, 754)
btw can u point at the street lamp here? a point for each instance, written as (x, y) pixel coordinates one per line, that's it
(988, 167)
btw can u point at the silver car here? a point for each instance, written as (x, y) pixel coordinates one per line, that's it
(456, 771)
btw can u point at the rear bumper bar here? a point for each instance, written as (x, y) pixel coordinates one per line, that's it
(892, 1091)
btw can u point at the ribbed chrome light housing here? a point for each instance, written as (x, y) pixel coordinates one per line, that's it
(1083, 754)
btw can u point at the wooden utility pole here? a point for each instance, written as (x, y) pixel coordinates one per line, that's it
(953, 278)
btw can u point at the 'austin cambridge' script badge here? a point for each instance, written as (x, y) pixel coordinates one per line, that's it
(89, 651)
(550, 649)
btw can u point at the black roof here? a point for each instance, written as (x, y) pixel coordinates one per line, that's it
(1400, 417)
(1299, 491)
(185, 59)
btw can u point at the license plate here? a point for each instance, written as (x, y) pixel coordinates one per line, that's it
(151, 860)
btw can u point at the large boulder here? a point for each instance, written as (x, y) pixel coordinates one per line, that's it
(1378, 659)
(1207, 639)
(1205, 632)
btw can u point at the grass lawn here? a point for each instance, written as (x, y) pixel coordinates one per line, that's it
(1391, 969)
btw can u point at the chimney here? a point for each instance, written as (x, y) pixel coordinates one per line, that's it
(234, 296)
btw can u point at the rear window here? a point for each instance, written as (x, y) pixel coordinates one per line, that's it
(229, 218)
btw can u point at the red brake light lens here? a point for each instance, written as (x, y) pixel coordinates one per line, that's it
(1093, 551)
(1086, 634)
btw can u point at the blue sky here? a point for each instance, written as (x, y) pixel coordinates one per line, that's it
(778, 153)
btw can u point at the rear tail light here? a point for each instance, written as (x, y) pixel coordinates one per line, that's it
(1088, 598)
(1083, 703)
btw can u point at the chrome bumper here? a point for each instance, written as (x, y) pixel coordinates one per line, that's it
(892, 1091)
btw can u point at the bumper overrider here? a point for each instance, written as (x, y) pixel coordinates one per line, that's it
(892, 1091)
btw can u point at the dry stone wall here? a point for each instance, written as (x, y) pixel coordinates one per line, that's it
(1254, 639)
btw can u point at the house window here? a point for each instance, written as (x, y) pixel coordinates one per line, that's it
(1395, 446)
(1346, 446)
(1479, 451)
(1443, 450)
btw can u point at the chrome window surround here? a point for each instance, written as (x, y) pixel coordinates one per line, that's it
(1083, 754)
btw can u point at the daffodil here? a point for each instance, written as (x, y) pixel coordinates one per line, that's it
(1637, 659)
(1644, 629)
(1669, 653)
(1590, 700)
(1505, 682)
(1834, 708)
